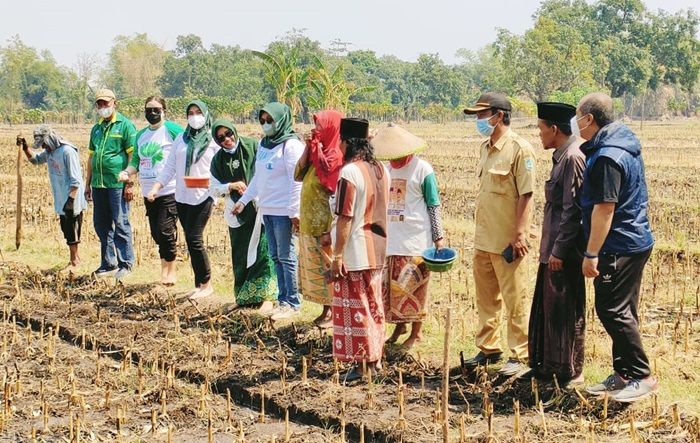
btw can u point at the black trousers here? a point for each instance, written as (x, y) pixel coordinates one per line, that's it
(162, 218)
(71, 228)
(193, 220)
(616, 302)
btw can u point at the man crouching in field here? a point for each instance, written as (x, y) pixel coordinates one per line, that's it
(67, 185)
(614, 204)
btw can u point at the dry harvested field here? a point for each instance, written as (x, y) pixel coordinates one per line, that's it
(86, 360)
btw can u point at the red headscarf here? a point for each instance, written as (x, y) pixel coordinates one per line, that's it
(324, 148)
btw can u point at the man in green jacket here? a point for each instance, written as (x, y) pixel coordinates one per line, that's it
(111, 144)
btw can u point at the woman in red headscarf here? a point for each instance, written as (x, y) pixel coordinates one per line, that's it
(318, 170)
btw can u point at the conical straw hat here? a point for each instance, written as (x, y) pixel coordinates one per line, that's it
(393, 141)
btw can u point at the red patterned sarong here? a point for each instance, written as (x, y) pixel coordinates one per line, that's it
(358, 317)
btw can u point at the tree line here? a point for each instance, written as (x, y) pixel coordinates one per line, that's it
(649, 61)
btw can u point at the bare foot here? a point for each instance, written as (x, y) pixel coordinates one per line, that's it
(70, 267)
(410, 341)
(324, 317)
(399, 330)
(324, 324)
(266, 307)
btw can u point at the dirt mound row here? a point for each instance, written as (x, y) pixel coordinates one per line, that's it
(292, 369)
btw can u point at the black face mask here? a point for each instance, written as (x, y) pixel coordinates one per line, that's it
(154, 117)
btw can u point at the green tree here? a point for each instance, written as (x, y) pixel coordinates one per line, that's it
(29, 79)
(135, 66)
(549, 57)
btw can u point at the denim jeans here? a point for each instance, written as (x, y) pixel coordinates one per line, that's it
(111, 220)
(280, 242)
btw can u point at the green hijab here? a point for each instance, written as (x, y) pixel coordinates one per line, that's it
(197, 140)
(282, 116)
(224, 165)
(245, 153)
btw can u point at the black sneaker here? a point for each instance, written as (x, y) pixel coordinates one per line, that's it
(481, 359)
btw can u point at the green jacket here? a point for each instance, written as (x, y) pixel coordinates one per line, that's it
(111, 142)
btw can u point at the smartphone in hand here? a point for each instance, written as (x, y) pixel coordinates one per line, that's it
(508, 254)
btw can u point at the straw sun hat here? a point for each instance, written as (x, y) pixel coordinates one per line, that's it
(392, 142)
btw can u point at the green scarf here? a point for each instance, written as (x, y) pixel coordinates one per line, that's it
(197, 140)
(245, 153)
(222, 165)
(282, 116)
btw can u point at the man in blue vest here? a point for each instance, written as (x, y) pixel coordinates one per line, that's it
(614, 203)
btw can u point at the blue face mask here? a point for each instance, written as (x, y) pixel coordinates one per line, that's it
(484, 127)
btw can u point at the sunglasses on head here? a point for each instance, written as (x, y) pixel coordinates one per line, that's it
(222, 137)
(269, 120)
(154, 110)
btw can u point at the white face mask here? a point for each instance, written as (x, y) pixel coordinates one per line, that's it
(196, 121)
(269, 129)
(105, 112)
(574, 127)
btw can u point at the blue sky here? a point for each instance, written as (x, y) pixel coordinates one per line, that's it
(404, 28)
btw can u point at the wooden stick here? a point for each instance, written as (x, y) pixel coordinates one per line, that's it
(516, 412)
(303, 369)
(18, 209)
(446, 377)
(154, 421)
(210, 430)
(544, 419)
(287, 434)
(606, 398)
(229, 414)
(535, 390)
(262, 405)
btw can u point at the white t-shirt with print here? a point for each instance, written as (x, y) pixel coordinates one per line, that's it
(153, 149)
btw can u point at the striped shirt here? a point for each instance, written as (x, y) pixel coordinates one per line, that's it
(362, 194)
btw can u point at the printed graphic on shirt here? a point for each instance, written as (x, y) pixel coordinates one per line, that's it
(150, 155)
(268, 156)
(55, 167)
(397, 200)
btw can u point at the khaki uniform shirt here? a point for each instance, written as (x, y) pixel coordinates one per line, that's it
(506, 171)
(562, 234)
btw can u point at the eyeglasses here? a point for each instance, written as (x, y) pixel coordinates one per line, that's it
(269, 120)
(222, 137)
(154, 110)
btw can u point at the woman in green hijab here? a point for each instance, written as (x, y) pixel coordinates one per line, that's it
(232, 169)
(278, 201)
(188, 163)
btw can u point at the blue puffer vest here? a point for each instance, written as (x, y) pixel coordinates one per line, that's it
(630, 232)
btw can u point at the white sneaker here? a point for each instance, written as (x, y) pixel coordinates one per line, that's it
(202, 293)
(121, 273)
(285, 312)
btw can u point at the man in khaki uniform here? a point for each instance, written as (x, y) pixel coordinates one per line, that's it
(503, 205)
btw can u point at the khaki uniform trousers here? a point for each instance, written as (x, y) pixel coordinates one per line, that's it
(497, 283)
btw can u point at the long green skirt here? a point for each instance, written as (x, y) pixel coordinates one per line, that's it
(258, 283)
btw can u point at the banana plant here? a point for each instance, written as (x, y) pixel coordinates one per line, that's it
(288, 79)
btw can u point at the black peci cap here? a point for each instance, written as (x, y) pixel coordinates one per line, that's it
(555, 112)
(354, 128)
